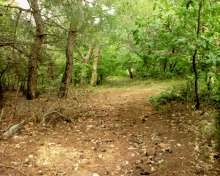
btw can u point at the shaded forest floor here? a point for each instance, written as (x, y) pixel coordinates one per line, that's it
(115, 131)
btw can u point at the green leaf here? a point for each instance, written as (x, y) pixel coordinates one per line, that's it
(154, 6)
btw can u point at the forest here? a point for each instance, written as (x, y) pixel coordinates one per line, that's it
(73, 62)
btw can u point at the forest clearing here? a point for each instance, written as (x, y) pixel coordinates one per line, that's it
(109, 87)
(114, 131)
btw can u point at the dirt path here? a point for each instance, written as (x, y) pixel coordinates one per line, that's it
(116, 132)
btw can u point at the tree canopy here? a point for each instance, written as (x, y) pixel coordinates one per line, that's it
(51, 44)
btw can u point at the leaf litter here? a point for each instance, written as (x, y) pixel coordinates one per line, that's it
(110, 132)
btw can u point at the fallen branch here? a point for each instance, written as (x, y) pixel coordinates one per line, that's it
(47, 114)
(12, 130)
(1, 165)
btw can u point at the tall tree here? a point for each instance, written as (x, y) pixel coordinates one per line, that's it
(69, 62)
(195, 53)
(93, 81)
(35, 50)
(85, 60)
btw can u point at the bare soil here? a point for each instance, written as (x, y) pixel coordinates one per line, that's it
(114, 131)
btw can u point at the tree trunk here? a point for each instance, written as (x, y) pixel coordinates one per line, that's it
(69, 63)
(130, 72)
(196, 80)
(95, 68)
(35, 50)
(86, 61)
(194, 56)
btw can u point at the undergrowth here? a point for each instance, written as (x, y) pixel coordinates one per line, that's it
(210, 98)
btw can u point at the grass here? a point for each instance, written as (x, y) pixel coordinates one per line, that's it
(125, 82)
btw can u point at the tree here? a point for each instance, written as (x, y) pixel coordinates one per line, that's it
(35, 50)
(93, 81)
(69, 62)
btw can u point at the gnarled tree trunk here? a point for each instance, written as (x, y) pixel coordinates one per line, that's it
(86, 61)
(93, 81)
(35, 50)
(69, 63)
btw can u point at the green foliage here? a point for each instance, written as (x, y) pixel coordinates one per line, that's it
(164, 97)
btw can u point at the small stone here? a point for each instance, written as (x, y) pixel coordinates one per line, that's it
(106, 172)
(151, 157)
(118, 167)
(179, 145)
(40, 173)
(126, 162)
(137, 162)
(168, 150)
(152, 162)
(81, 156)
(95, 175)
(17, 146)
(157, 139)
(117, 125)
(163, 146)
(94, 148)
(152, 169)
(15, 163)
(104, 150)
(31, 156)
(160, 161)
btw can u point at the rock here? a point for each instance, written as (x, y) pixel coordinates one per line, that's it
(152, 169)
(157, 139)
(130, 171)
(117, 125)
(15, 163)
(137, 162)
(40, 173)
(104, 150)
(95, 175)
(196, 148)
(17, 146)
(151, 157)
(179, 145)
(163, 146)
(90, 127)
(118, 167)
(168, 150)
(152, 162)
(31, 156)
(160, 161)
(106, 172)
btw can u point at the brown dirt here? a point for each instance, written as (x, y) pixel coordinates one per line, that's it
(115, 132)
